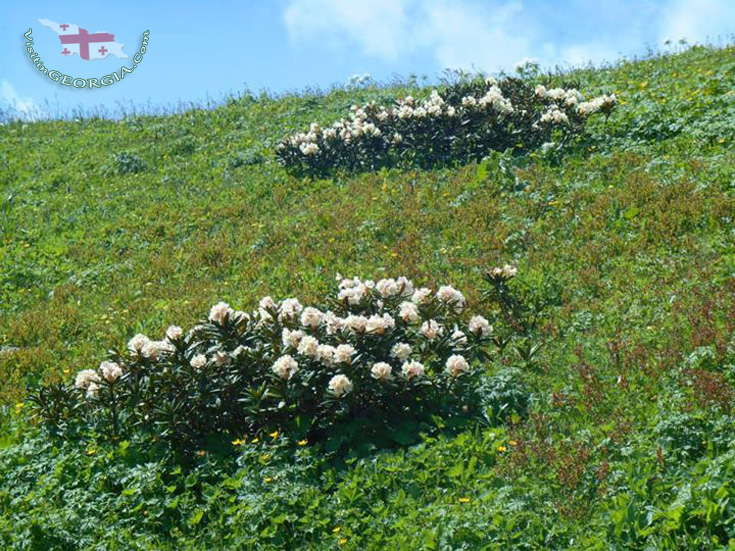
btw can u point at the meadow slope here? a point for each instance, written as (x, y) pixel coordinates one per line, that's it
(111, 228)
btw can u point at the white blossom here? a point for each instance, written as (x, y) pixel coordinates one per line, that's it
(309, 149)
(450, 296)
(457, 365)
(401, 351)
(267, 303)
(219, 312)
(137, 343)
(353, 294)
(494, 98)
(339, 385)
(239, 350)
(381, 371)
(420, 295)
(110, 371)
(290, 309)
(174, 332)
(469, 101)
(459, 337)
(405, 286)
(343, 353)
(325, 354)
(556, 94)
(431, 329)
(378, 325)
(357, 323)
(285, 367)
(480, 325)
(291, 337)
(412, 370)
(198, 361)
(602, 103)
(311, 317)
(333, 323)
(509, 271)
(154, 349)
(554, 115)
(86, 377)
(92, 390)
(408, 312)
(387, 287)
(308, 346)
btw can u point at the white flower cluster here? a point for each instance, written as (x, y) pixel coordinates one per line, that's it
(554, 115)
(561, 100)
(285, 367)
(339, 385)
(450, 296)
(143, 346)
(378, 334)
(373, 310)
(380, 129)
(374, 122)
(493, 98)
(89, 379)
(220, 313)
(602, 104)
(506, 272)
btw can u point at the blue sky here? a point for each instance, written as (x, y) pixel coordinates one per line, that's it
(206, 50)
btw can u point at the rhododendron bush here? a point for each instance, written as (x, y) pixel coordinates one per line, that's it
(465, 121)
(373, 357)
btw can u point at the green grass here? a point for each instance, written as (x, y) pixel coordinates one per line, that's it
(619, 450)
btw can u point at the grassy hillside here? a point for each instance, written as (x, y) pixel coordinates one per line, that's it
(113, 228)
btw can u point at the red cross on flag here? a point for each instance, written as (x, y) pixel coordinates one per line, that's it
(76, 40)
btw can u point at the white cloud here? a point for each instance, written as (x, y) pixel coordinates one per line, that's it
(698, 20)
(376, 26)
(468, 34)
(21, 107)
(491, 35)
(460, 35)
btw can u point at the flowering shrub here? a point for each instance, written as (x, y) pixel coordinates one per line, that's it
(466, 121)
(376, 358)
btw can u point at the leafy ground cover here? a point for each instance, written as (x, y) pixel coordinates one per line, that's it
(112, 228)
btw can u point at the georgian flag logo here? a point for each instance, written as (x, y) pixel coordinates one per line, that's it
(89, 46)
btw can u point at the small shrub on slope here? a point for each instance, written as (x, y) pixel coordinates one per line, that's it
(370, 365)
(467, 121)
